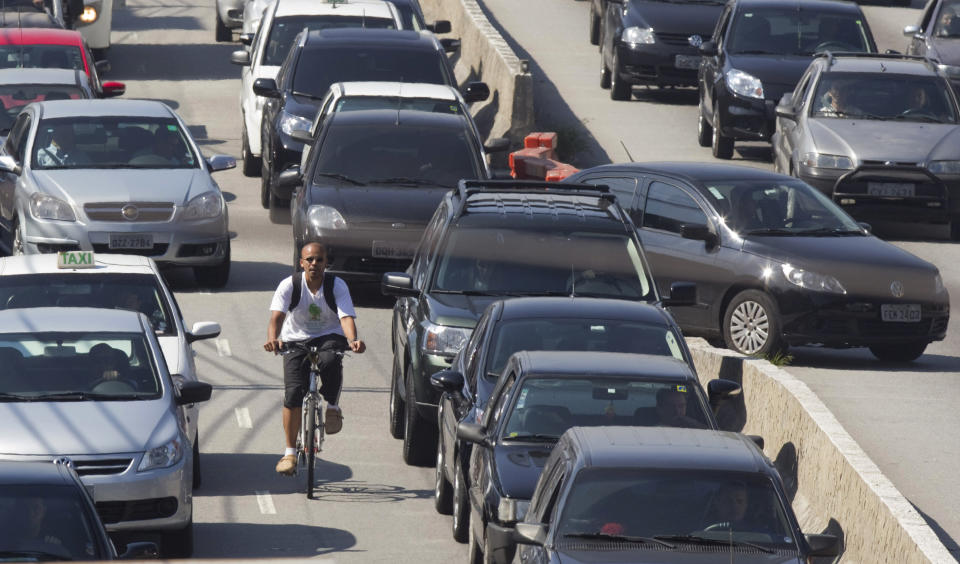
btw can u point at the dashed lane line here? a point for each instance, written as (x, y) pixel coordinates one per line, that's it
(243, 417)
(265, 501)
(223, 347)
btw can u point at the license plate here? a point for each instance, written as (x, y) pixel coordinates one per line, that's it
(392, 250)
(900, 313)
(687, 62)
(895, 189)
(131, 241)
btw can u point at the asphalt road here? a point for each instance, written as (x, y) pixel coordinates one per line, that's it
(903, 418)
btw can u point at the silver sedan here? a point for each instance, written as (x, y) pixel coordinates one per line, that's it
(119, 176)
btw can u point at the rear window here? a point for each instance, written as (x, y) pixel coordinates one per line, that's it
(41, 57)
(357, 103)
(15, 96)
(318, 68)
(286, 28)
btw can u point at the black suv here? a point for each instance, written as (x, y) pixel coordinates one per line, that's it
(759, 50)
(320, 58)
(493, 239)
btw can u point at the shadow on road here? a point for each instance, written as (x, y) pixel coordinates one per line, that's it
(666, 96)
(248, 540)
(860, 360)
(259, 475)
(166, 62)
(944, 537)
(245, 276)
(133, 20)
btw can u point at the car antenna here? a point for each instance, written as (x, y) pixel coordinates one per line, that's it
(627, 151)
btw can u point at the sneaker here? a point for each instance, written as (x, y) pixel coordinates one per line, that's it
(333, 422)
(287, 464)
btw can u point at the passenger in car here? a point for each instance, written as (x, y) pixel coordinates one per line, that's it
(672, 410)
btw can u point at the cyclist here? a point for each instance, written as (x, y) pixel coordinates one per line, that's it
(313, 322)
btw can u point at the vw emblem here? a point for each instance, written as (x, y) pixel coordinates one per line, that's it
(896, 289)
(398, 225)
(130, 212)
(695, 40)
(888, 163)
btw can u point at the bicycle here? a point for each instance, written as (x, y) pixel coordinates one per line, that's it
(312, 425)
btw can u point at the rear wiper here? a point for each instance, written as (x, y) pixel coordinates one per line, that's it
(532, 437)
(305, 95)
(693, 539)
(403, 180)
(342, 177)
(619, 538)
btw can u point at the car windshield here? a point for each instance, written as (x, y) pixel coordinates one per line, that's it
(764, 207)
(882, 96)
(358, 103)
(15, 96)
(582, 334)
(48, 522)
(318, 68)
(788, 31)
(410, 19)
(948, 20)
(41, 56)
(138, 292)
(548, 261)
(677, 506)
(286, 28)
(112, 142)
(396, 154)
(71, 366)
(547, 406)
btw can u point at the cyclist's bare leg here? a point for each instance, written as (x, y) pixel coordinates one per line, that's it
(291, 425)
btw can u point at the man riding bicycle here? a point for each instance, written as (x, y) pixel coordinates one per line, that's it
(324, 319)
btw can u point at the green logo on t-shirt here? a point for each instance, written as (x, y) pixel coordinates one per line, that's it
(314, 312)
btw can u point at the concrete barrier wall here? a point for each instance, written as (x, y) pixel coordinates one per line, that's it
(835, 487)
(485, 56)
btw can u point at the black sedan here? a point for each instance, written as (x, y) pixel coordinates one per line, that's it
(937, 37)
(775, 262)
(759, 50)
(541, 323)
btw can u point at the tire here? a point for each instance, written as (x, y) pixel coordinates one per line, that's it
(604, 73)
(419, 436)
(265, 173)
(619, 90)
(310, 442)
(197, 480)
(721, 145)
(251, 165)
(442, 491)
(594, 26)
(461, 506)
(475, 553)
(214, 276)
(179, 543)
(396, 412)
(899, 352)
(223, 32)
(704, 129)
(751, 324)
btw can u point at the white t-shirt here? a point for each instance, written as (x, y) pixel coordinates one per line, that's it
(312, 317)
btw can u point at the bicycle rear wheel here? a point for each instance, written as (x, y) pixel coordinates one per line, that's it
(310, 446)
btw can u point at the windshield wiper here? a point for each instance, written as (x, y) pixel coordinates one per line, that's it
(694, 539)
(829, 231)
(81, 396)
(38, 554)
(466, 292)
(770, 231)
(917, 117)
(533, 437)
(305, 95)
(404, 180)
(538, 293)
(4, 396)
(342, 177)
(619, 538)
(755, 52)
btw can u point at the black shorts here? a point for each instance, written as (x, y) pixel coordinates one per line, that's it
(296, 370)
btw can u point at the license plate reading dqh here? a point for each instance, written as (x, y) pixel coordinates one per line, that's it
(900, 313)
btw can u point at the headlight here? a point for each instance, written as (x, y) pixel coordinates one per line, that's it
(510, 510)
(812, 281)
(204, 206)
(638, 35)
(744, 84)
(938, 284)
(162, 456)
(290, 123)
(325, 217)
(89, 15)
(944, 167)
(820, 160)
(43, 206)
(442, 340)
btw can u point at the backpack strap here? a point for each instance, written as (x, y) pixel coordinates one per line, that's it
(328, 281)
(296, 291)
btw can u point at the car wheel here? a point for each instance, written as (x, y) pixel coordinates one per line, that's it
(619, 89)
(251, 164)
(442, 492)
(461, 505)
(16, 246)
(214, 276)
(197, 479)
(604, 73)
(475, 554)
(179, 543)
(594, 26)
(721, 144)
(419, 436)
(223, 32)
(898, 352)
(704, 129)
(396, 406)
(751, 324)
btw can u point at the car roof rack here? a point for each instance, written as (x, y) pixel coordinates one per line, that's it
(831, 55)
(466, 188)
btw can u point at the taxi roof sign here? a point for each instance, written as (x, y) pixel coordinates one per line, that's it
(75, 259)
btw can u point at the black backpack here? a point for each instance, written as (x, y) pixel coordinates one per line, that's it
(328, 282)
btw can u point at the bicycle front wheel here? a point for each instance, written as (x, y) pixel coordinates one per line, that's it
(310, 444)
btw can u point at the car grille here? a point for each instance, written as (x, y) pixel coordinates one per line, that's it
(101, 467)
(888, 163)
(675, 38)
(113, 211)
(136, 510)
(876, 328)
(157, 250)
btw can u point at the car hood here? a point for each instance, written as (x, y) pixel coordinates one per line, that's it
(874, 140)
(380, 204)
(778, 73)
(665, 17)
(301, 106)
(519, 466)
(84, 427)
(82, 186)
(653, 556)
(170, 345)
(947, 51)
(456, 310)
(866, 266)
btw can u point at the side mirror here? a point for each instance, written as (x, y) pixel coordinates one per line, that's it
(911, 30)
(681, 294)
(823, 545)
(193, 392)
(473, 433)
(397, 284)
(221, 162)
(476, 92)
(531, 533)
(103, 66)
(497, 145)
(720, 389)
(290, 177)
(302, 136)
(866, 226)
(8, 164)
(708, 49)
(246, 39)
(786, 112)
(113, 89)
(698, 232)
(241, 57)
(440, 26)
(235, 13)
(266, 87)
(141, 551)
(450, 45)
(447, 381)
(203, 330)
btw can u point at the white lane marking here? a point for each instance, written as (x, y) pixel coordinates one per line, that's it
(265, 501)
(223, 347)
(243, 417)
